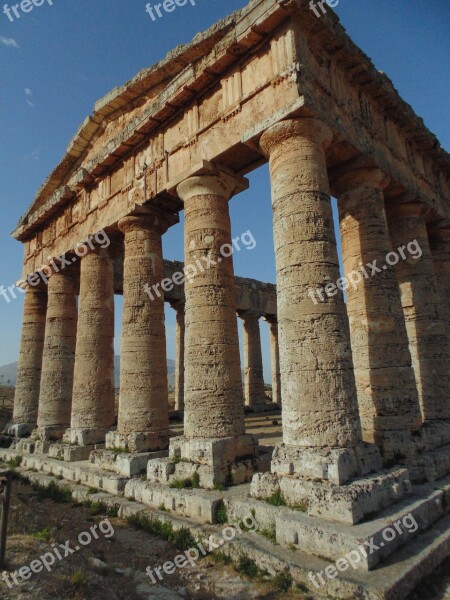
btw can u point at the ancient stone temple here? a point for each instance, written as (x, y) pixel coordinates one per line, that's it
(360, 358)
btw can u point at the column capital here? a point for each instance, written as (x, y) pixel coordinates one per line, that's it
(440, 230)
(223, 183)
(153, 218)
(310, 128)
(412, 209)
(358, 176)
(248, 314)
(177, 305)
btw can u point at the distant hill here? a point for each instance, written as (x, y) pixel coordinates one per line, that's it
(8, 373)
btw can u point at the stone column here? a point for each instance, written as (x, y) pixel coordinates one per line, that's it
(179, 361)
(55, 398)
(26, 399)
(275, 361)
(254, 391)
(440, 252)
(428, 340)
(93, 410)
(143, 423)
(319, 396)
(387, 393)
(214, 408)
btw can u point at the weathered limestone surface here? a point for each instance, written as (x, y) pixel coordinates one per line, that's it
(387, 394)
(275, 361)
(26, 399)
(254, 391)
(319, 395)
(143, 422)
(179, 359)
(428, 340)
(93, 388)
(440, 252)
(213, 386)
(55, 399)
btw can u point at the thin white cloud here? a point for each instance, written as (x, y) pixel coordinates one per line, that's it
(8, 41)
(34, 155)
(28, 94)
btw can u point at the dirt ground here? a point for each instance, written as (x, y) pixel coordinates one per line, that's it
(110, 568)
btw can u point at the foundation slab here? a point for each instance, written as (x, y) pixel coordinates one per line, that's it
(69, 453)
(137, 442)
(198, 505)
(337, 465)
(20, 430)
(349, 503)
(85, 436)
(124, 464)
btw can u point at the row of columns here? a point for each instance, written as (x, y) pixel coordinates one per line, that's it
(254, 387)
(346, 371)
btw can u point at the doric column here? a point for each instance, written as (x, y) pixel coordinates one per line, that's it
(55, 398)
(93, 410)
(26, 399)
(387, 394)
(319, 395)
(428, 340)
(213, 385)
(440, 252)
(143, 423)
(254, 391)
(179, 359)
(275, 360)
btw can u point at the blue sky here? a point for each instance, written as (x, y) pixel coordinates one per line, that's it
(57, 60)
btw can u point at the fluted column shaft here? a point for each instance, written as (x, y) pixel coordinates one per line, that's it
(179, 362)
(319, 395)
(26, 399)
(93, 390)
(213, 386)
(254, 391)
(275, 362)
(387, 394)
(428, 340)
(55, 398)
(143, 422)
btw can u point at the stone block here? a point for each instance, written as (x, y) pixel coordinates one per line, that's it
(68, 453)
(137, 442)
(213, 452)
(84, 437)
(124, 464)
(347, 503)
(335, 465)
(19, 430)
